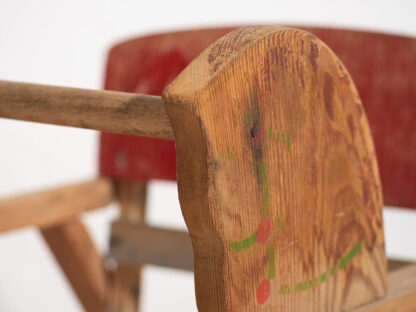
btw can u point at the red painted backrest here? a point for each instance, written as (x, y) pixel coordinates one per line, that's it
(383, 68)
(146, 65)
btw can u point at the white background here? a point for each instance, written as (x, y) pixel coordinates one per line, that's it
(65, 43)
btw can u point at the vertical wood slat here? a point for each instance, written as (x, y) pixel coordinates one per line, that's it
(277, 176)
(124, 288)
(79, 259)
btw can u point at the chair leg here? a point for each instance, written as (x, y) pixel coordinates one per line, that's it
(80, 261)
(125, 280)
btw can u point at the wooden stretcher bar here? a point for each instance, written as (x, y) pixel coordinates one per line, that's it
(141, 244)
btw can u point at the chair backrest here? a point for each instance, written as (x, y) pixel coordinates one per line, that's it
(382, 66)
(146, 65)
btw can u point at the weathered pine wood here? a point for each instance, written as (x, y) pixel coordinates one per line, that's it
(111, 111)
(124, 290)
(138, 245)
(80, 261)
(401, 296)
(383, 68)
(54, 206)
(277, 176)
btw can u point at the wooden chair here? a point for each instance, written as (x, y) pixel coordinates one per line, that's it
(277, 174)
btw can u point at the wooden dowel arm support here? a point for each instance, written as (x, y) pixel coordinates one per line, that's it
(118, 112)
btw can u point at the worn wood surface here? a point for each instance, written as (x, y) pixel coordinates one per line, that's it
(277, 176)
(286, 59)
(54, 206)
(124, 287)
(138, 245)
(383, 68)
(401, 296)
(79, 259)
(118, 112)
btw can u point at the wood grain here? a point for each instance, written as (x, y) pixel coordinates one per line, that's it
(54, 206)
(80, 261)
(111, 111)
(277, 176)
(401, 296)
(383, 68)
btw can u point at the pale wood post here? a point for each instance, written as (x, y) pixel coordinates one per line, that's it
(124, 290)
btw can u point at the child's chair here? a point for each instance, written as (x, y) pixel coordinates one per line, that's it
(382, 67)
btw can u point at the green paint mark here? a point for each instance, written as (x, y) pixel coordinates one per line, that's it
(302, 286)
(306, 285)
(347, 258)
(248, 116)
(281, 223)
(272, 272)
(266, 195)
(270, 133)
(249, 119)
(284, 289)
(323, 277)
(249, 241)
(279, 136)
(236, 246)
(245, 243)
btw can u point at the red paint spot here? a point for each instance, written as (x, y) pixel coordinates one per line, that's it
(264, 230)
(263, 291)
